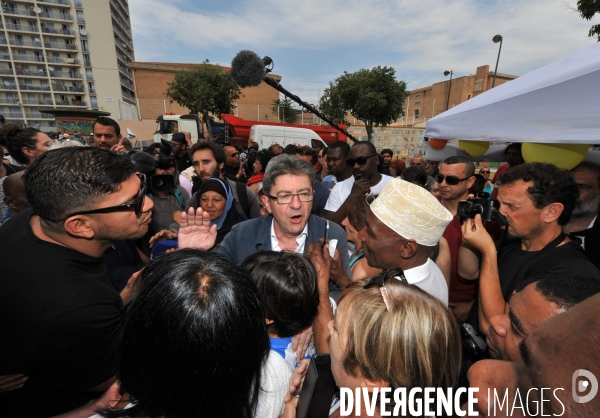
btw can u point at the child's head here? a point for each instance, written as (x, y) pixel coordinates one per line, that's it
(287, 283)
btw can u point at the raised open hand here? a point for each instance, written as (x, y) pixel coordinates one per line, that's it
(195, 230)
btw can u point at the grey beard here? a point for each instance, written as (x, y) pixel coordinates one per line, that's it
(584, 209)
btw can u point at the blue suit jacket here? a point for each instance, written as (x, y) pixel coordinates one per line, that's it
(254, 235)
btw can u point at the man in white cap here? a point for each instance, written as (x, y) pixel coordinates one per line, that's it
(404, 224)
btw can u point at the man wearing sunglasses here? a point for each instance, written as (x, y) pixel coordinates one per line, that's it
(489, 187)
(455, 178)
(232, 169)
(363, 160)
(60, 316)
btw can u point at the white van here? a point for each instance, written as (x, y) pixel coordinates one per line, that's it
(267, 135)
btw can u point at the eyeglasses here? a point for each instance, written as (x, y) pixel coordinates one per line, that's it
(137, 205)
(359, 160)
(451, 180)
(380, 280)
(483, 172)
(235, 154)
(286, 198)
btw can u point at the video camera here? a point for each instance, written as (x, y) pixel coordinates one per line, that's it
(488, 209)
(160, 183)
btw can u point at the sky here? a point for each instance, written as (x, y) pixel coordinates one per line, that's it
(312, 42)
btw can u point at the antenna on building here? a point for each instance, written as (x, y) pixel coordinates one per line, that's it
(51, 68)
(53, 82)
(83, 32)
(6, 83)
(37, 9)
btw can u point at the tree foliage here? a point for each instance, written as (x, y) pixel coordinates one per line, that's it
(204, 89)
(588, 9)
(373, 96)
(285, 112)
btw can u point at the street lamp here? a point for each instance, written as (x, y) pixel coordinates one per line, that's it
(496, 39)
(449, 85)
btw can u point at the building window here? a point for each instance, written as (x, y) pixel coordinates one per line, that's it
(417, 99)
(416, 113)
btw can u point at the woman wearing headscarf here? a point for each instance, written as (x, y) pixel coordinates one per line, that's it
(216, 199)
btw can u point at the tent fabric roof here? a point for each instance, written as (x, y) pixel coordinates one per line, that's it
(558, 103)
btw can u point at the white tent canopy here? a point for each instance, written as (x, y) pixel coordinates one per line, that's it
(558, 103)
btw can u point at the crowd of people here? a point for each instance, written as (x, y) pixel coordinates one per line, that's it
(195, 279)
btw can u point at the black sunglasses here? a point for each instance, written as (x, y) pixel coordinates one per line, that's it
(380, 280)
(451, 180)
(137, 205)
(360, 160)
(483, 172)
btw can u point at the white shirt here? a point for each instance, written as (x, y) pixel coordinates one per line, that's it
(430, 278)
(342, 189)
(300, 239)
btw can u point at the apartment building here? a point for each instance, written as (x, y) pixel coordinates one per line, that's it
(64, 55)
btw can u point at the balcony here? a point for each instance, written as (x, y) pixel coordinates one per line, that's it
(58, 2)
(61, 87)
(9, 86)
(72, 102)
(123, 48)
(12, 26)
(127, 84)
(55, 16)
(125, 74)
(31, 73)
(55, 74)
(17, 11)
(32, 102)
(17, 115)
(6, 71)
(9, 100)
(56, 45)
(31, 87)
(122, 36)
(4, 56)
(20, 57)
(61, 31)
(61, 60)
(20, 42)
(121, 23)
(38, 116)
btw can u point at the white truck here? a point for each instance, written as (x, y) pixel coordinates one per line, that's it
(169, 124)
(267, 135)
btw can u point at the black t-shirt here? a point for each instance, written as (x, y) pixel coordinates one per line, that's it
(516, 265)
(183, 162)
(60, 318)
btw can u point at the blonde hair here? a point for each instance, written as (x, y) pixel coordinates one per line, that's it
(416, 344)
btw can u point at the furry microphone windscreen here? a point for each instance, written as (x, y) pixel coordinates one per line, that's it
(247, 69)
(143, 162)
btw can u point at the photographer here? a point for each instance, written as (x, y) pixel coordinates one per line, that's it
(537, 200)
(166, 193)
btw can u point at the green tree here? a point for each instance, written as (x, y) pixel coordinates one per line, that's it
(204, 89)
(588, 9)
(285, 112)
(374, 97)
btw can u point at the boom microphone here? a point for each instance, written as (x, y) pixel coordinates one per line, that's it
(247, 69)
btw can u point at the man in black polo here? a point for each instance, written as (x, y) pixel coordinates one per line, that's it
(180, 151)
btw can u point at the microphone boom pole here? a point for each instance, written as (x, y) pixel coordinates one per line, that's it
(273, 83)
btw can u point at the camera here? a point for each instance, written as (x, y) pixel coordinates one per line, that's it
(488, 209)
(162, 183)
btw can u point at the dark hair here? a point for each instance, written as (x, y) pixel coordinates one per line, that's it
(387, 151)
(263, 157)
(14, 139)
(343, 146)
(367, 144)
(415, 175)
(357, 211)
(323, 151)
(308, 151)
(564, 291)
(514, 145)
(287, 283)
(550, 184)
(478, 185)
(588, 166)
(469, 166)
(72, 179)
(217, 151)
(290, 149)
(104, 121)
(194, 340)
